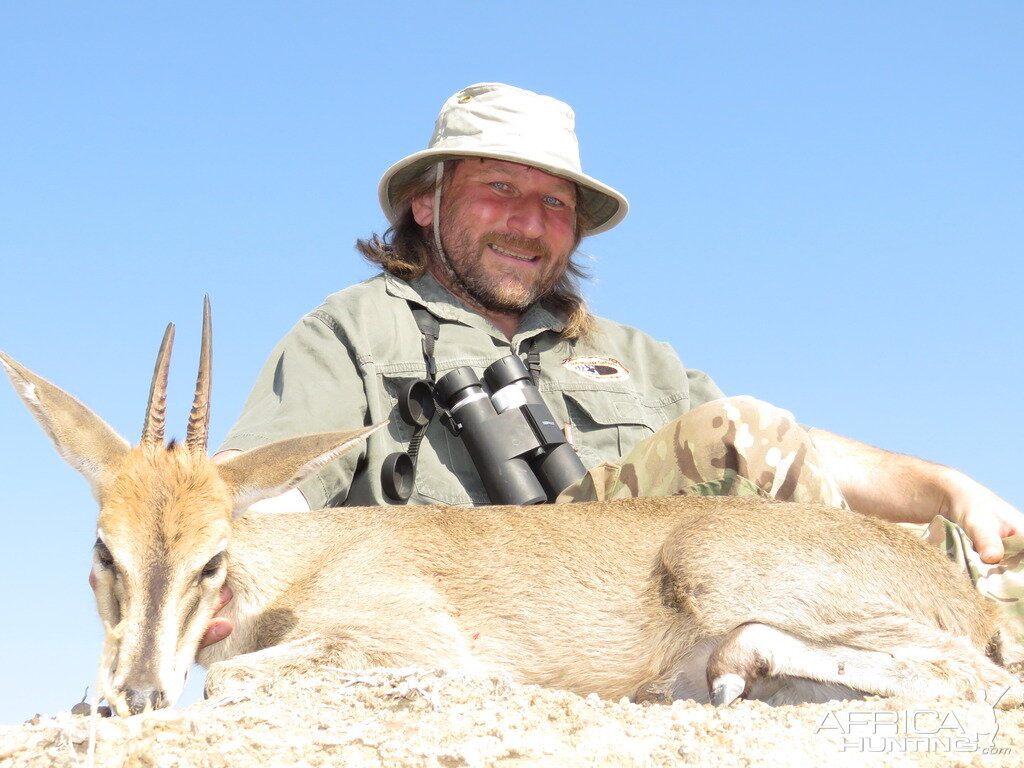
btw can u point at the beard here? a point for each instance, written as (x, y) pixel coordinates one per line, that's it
(497, 288)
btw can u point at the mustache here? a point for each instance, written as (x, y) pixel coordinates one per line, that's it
(514, 242)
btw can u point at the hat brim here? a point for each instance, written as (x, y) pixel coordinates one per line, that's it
(607, 206)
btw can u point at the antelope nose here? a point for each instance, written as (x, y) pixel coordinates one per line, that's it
(139, 701)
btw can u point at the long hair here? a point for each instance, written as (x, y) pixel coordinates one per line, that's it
(405, 250)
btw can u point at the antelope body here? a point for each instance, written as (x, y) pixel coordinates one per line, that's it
(686, 597)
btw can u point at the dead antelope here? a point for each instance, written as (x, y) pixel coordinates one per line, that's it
(704, 598)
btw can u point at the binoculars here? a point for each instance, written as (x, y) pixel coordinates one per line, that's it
(511, 436)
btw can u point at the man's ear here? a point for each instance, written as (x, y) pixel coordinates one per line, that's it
(423, 208)
(272, 469)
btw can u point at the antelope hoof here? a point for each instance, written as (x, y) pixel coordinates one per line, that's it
(725, 689)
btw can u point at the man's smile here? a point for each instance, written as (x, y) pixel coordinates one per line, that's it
(518, 256)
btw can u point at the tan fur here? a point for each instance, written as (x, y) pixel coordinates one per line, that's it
(604, 597)
(709, 598)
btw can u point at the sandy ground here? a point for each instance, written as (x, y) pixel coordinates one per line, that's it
(429, 718)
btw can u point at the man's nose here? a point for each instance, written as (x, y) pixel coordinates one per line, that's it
(527, 217)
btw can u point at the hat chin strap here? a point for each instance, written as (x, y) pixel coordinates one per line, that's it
(438, 174)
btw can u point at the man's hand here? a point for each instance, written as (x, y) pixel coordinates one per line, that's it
(985, 518)
(905, 489)
(219, 627)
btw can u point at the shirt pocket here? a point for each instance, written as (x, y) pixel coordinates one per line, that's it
(607, 424)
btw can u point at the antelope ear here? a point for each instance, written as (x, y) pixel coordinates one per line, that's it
(82, 438)
(272, 469)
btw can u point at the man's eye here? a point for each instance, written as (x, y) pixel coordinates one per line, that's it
(554, 202)
(501, 186)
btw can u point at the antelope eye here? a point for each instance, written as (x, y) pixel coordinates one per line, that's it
(106, 560)
(211, 568)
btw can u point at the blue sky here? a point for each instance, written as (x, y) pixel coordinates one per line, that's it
(826, 213)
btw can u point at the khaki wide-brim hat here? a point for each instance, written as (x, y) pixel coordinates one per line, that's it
(509, 123)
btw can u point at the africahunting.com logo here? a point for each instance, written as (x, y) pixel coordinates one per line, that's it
(969, 728)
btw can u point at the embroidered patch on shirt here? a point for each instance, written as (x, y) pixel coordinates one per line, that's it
(597, 368)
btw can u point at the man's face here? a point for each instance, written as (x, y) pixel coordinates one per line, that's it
(507, 229)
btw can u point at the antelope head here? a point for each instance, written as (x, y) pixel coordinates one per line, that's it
(166, 510)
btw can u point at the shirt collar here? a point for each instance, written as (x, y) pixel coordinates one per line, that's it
(440, 302)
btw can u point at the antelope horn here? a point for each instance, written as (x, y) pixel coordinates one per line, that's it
(199, 418)
(156, 408)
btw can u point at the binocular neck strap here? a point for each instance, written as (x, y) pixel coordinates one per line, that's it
(430, 329)
(398, 473)
(533, 362)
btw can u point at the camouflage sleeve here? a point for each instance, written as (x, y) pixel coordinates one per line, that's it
(310, 383)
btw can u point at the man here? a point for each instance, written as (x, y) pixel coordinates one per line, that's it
(485, 223)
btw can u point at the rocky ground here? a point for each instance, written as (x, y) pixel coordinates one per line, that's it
(423, 718)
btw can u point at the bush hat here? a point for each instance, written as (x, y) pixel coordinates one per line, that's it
(508, 123)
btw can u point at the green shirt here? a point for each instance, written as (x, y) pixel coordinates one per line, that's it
(343, 364)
